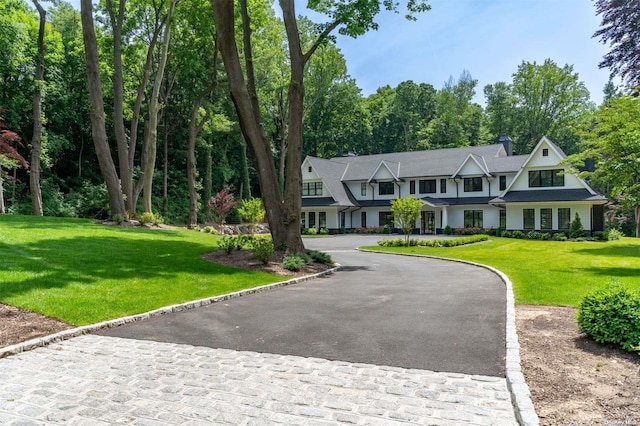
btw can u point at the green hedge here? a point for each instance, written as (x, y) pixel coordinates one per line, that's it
(612, 315)
(453, 242)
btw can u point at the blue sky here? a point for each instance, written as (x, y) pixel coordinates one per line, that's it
(489, 38)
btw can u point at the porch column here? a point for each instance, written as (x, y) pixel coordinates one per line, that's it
(445, 219)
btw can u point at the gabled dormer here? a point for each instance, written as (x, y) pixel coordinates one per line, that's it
(473, 165)
(543, 170)
(308, 171)
(385, 171)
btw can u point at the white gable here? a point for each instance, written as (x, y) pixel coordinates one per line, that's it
(309, 175)
(472, 166)
(545, 156)
(384, 171)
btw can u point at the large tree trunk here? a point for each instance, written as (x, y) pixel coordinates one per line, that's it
(152, 134)
(98, 129)
(637, 209)
(252, 129)
(293, 185)
(36, 141)
(126, 170)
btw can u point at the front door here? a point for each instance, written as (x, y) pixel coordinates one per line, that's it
(428, 222)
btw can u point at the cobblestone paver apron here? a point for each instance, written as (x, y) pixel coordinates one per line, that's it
(94, 380)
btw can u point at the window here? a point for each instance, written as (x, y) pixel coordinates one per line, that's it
(310, 169)
(473, 184)
(545, 152)
(312, 219)
(546, 218)
(503, 183)
(443, 186)
(528, 218)
(503, 218)
(412, 187)
(385, 218)
(363, 189)
(564, 218)
(343, 220)
(302, 220)
(311, 188)
(473, 218)
(545, 178)
(322, 220)
(363, 219)
(386, 188)
(428, 186)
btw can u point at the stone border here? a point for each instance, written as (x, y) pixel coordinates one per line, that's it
(78, 331)
(520, 394)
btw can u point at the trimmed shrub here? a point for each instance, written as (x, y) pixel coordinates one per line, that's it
(517, 234)
(319, 256)
(612, 315)
(576, 230)
(310, 231)
(294, 262)
(323, 231)
(560, 236)
(262, 249)
(506, 234)
(614, 234)
(227, 243)
(448, 230)
(118, 219)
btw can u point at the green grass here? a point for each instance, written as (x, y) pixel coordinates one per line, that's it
(81, 272)
(549, 272)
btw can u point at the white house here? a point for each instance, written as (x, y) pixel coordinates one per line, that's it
(477, 186)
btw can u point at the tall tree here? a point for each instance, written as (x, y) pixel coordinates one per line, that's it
(500, 109)
(458, 121)
(150, 143)
(36, 139)
(354, 18)
(98, 127)
(613, 143)
(549, 101)
(620, 29)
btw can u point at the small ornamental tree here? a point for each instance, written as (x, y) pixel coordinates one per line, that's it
(9, 157)
(406, 212)
(576, 230)
(221, 204)
(252, 212)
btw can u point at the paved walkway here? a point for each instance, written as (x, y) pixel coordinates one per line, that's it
(95, 380)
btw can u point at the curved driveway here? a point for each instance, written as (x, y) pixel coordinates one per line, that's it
(379, 309)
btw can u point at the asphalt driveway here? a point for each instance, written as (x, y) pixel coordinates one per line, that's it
(380, 309)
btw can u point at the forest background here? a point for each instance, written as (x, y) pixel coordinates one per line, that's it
(170, 66)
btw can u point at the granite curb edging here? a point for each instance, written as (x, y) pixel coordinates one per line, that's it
(520, 393)
(86, 329)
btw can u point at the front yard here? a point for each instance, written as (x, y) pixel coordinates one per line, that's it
(82, 273)
(548, 272)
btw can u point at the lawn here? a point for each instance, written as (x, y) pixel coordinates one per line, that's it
(549, 272)
(81, 272)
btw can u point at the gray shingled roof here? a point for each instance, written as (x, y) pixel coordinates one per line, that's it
(439, 162)
(548, 195)
(331, 171)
